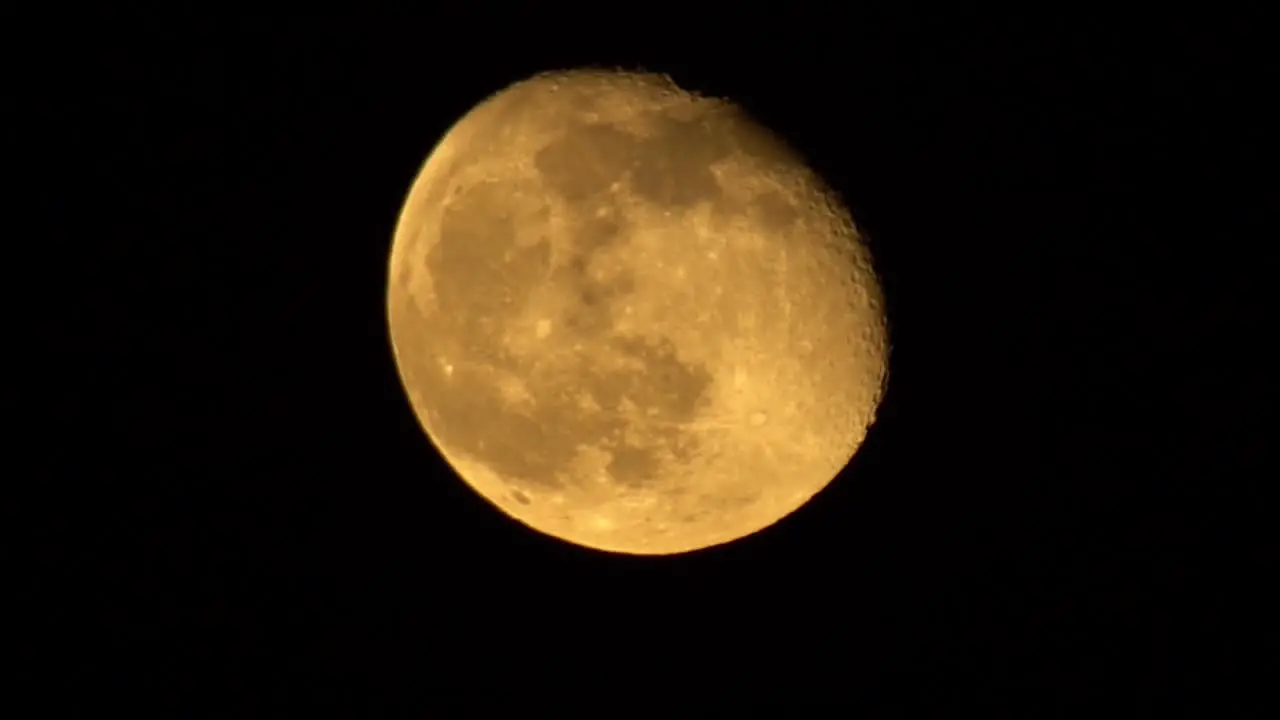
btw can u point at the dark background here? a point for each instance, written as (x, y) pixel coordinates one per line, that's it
(1054, 504)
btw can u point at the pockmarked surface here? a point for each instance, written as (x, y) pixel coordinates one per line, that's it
(632, 318)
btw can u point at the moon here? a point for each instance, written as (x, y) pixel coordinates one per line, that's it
(630, 317)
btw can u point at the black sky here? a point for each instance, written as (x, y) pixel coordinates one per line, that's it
(1052, 504)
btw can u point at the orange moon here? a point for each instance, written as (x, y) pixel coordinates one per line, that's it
(632, 318)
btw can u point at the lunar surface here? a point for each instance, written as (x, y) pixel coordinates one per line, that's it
(630, 317)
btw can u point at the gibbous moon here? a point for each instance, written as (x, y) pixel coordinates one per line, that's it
(630, 317)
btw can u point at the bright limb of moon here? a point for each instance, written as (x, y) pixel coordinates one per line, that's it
(630, 317)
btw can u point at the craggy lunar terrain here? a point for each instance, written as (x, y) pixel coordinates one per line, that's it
(631, 318)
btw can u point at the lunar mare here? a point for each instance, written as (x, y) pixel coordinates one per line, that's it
(632, 318)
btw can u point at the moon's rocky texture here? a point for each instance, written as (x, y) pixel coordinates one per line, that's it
(630, 317)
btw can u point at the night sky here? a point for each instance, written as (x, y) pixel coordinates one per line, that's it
(1053, 505)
